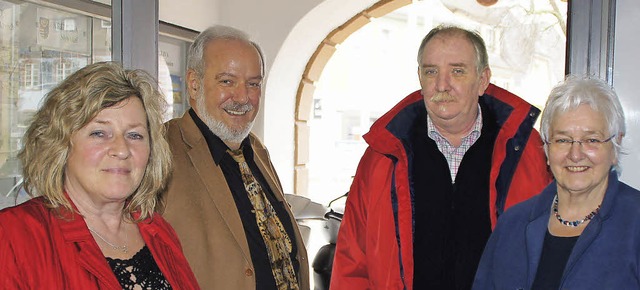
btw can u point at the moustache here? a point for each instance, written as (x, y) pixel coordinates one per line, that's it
(237, 107)
(442, 97)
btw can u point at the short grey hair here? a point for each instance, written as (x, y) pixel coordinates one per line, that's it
(482, 58)
(585, 90)
(195, 56)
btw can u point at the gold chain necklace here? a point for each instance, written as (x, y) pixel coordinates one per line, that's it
(122, 248)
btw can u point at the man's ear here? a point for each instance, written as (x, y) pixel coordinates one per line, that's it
(485, 78)
(193, 84)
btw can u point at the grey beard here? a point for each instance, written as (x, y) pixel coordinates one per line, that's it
(218, 127)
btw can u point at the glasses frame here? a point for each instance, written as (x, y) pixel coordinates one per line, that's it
(581, 142)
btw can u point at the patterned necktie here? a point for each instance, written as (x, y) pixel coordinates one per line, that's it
(273, 233)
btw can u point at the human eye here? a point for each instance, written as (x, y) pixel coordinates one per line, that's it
(562, 141)
(458, 71)
(430, 71)
(97, 133)
(256, 84)
(135, 136)
(592, 141)
(226, 82)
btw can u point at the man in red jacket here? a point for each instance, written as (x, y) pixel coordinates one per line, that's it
(440, 168)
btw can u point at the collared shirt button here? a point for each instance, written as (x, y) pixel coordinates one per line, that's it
(517, 148)
(248, 272)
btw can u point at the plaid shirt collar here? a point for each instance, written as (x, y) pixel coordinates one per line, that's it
(452, 154)
(474, 134)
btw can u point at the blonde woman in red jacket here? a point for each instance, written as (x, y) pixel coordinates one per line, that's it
(96, 158)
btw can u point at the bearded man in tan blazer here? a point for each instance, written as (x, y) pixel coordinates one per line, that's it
(225, 239)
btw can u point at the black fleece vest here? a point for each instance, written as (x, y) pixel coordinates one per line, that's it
(452, 221)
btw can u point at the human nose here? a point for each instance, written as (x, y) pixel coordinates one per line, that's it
(576, 150)
(442, 83)
(119, 148)
(241, 94)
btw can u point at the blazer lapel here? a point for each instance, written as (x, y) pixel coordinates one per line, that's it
(89, 256)
(584, 241)
(261, 158)
(594, 227)
(213, 178)
(535, 233)
(537, 229)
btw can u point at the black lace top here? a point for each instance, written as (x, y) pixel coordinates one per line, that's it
(139, 272)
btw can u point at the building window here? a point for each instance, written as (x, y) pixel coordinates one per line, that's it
(63, 70)
(30, 75)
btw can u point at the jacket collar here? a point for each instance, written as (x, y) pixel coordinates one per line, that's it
(396, 124)
(77, 236)
(217, 147)
(193, 136)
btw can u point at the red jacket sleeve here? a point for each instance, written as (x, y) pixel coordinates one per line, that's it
(9, 270)
(532, 174)
(349, 264)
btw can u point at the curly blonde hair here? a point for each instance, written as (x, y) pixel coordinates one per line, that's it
(73, 104)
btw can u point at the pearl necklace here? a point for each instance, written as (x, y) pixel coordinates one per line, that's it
(122, 248)
(576, 223)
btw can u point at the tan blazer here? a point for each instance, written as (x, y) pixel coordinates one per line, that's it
(199, 205)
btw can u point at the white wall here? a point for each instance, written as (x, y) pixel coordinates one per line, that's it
(302, 39)
(193, 14)
(625, 77)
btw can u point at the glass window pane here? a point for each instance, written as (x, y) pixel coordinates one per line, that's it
(171, 72)
(39, 47)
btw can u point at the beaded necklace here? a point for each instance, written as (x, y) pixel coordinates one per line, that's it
(576, 223)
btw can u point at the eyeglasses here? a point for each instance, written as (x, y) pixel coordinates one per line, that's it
(588, 144)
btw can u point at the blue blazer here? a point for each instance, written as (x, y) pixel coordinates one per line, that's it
(606, 255)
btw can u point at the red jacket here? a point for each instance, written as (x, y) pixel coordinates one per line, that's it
(40, 250)
(378, 218)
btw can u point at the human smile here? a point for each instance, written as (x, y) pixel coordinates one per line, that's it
(235, 113)
(236, 109)
(577, 168)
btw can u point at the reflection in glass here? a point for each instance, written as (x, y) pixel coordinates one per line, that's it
(171, 66)
(39, 47)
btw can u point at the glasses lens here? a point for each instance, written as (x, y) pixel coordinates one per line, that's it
(590, 144)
